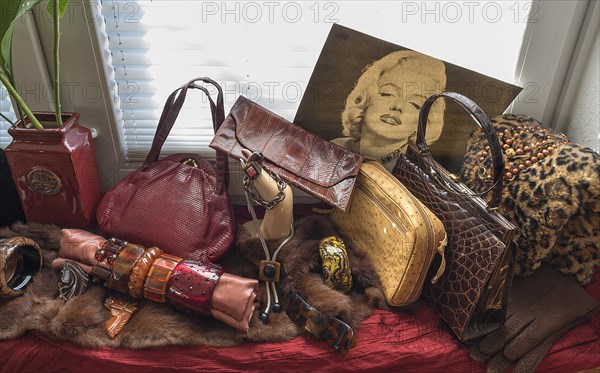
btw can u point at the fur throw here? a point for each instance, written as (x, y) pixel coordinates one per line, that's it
(81, 319)
(551, 195)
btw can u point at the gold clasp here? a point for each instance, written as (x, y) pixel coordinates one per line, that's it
(190, 162)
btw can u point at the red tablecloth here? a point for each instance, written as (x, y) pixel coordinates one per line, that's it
(407, 341)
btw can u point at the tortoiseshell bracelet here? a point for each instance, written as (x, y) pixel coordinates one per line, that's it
(329, 329)
(140, 270)
(157, 280)
(122, 266)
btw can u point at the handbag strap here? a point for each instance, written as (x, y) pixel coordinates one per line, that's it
(169, 115)
(484, 123)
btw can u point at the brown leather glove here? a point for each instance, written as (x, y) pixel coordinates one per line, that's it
(541, 308)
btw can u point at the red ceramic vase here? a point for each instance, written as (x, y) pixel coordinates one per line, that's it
(55, 172)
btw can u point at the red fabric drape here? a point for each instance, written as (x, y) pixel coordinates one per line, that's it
(408, 341)
(413, 340)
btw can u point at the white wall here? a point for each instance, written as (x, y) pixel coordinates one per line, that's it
(581, 121)
(577, 112)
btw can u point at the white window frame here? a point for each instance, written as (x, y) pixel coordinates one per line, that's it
(544, 64)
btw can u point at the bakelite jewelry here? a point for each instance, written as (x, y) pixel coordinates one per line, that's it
(100, 273)
(335, 264)
(157, 280)
(140, 270)
(329, 329)
(20, 260)
(120, 313)
(191, 286)
(198, 288)
(122, 266)
(110, 249)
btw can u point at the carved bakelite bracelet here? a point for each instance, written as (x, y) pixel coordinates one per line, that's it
(140, 270)
(122, 266)
(157, 280)
(20, 260)
(191, 286)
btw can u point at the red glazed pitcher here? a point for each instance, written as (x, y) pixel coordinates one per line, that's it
(55, 172)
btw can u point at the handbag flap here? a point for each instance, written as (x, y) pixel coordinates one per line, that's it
(291, 147)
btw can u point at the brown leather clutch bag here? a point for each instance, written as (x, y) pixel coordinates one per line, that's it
(303, 159)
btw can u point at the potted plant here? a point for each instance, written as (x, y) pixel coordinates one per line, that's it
(51, 157)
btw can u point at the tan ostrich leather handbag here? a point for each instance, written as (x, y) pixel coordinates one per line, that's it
(399, 234)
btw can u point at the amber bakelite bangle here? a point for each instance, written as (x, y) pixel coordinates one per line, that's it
(157, 280)
(20, 260)
(122, 266)
(191, 286)
(140, 270)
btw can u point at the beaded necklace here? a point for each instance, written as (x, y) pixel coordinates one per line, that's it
(522, 154)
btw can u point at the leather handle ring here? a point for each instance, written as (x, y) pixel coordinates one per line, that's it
(484, 123)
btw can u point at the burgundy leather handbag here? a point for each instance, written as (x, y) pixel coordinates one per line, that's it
(178, 203)
(320, 168)
(472, 294)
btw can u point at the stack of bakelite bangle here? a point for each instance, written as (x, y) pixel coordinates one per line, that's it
(149, 273)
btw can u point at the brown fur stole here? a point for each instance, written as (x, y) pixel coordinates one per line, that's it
(81, 319)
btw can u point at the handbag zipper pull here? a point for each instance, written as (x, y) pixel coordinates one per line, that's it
(441, 249)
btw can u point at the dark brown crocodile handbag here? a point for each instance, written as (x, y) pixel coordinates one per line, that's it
(472, 295)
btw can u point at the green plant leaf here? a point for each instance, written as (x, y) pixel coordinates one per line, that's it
(10, 12)
(62, 7)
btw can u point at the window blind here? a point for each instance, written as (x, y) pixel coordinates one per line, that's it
(267, 51)
(7, 111)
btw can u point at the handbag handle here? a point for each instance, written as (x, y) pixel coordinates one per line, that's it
(484, 123)
(169, 115)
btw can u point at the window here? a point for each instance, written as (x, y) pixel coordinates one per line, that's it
(267, 50)
(270, 47)
(7, 113)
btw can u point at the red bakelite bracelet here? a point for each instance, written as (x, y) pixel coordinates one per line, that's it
(191, 286)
